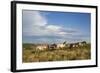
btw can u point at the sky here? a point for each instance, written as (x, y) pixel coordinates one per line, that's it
(55, 27)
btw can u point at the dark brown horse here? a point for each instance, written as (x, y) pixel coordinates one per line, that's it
(52, 46)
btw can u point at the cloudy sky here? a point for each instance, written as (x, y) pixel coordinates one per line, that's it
(55, 27)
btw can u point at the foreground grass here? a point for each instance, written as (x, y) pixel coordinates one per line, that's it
(80, 53)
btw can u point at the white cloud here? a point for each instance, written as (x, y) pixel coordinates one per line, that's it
(35, 18)
(62, 33)
(35, 24)
(53, 28)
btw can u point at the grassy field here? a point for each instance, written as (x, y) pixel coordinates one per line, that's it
(31, 55)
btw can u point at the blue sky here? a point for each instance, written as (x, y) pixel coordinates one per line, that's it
(55, 27)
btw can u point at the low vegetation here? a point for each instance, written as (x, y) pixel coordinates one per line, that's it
(30, 54)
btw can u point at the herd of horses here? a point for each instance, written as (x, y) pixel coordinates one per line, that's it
(60, 46)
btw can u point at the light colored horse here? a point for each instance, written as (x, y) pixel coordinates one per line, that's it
(60, 45)
(78, 44)
(41, 47)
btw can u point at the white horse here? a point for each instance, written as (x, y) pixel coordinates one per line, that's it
(62, 45)
(41, 47)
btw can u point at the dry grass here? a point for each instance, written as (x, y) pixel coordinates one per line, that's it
(80, 53)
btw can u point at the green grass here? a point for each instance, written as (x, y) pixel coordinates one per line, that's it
(80, 53)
